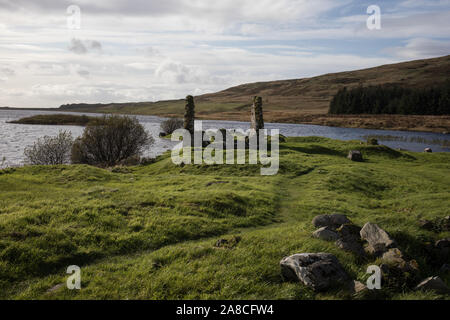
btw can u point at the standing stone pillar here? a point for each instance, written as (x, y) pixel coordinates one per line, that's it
(189, 114)
(257, 121)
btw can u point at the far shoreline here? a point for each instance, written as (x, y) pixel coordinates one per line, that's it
(394, 122)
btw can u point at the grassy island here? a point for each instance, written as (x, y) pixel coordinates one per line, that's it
(57, 119)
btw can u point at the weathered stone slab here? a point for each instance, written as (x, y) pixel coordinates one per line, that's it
(319, 271)
(330, 220)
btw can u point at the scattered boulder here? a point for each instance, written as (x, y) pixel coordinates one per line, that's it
(433, 284)
(351, 246)
(395, 258)
(437, 225)
(426, 224)
(378, 239)
(349, 239)
(428, 150)
(326, 233)
(55, 288)
(228, 243)
(319, 271)
(330, 220)
(355, 155)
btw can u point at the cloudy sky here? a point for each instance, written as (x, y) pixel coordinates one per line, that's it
(145, 50)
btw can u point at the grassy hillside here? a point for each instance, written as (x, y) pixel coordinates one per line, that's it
(287, 100)
(148, 232)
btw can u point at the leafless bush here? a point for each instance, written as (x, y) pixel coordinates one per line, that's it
(50, 150)
(110, 141)
(172, 124)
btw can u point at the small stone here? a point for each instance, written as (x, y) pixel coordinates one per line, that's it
(55, 288)
(355, 155)
(433, 284)
(228, 243)
(330, 220)
(326, 233)
(428, 150)
(319, 271)
(357, 287)
(395, 258)
(221, 243)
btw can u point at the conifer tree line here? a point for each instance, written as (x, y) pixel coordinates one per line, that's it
(392, 99)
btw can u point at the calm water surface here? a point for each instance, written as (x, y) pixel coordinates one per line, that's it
(15, 137)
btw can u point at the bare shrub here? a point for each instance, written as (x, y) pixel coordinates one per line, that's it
(172, 124)
(50, 150)
(111, 141)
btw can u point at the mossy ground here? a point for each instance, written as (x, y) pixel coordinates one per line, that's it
(148, 232)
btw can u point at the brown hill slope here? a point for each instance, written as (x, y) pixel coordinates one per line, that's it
(296, 101)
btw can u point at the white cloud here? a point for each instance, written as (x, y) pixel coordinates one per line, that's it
(421, 48)
(140, 50)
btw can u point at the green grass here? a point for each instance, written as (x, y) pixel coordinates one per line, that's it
(148, 232)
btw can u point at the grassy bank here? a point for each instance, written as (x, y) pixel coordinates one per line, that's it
(57, 119)
(148, 232)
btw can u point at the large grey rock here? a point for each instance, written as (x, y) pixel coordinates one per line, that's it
(378, 239)
(330, 220)
(433, 284)
(319, 271)
(326, 233)
(355, 155)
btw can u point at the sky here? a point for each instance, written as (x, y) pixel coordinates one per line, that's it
(54, 52)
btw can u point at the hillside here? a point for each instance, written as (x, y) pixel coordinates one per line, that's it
(308, 95)
(153, 229)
